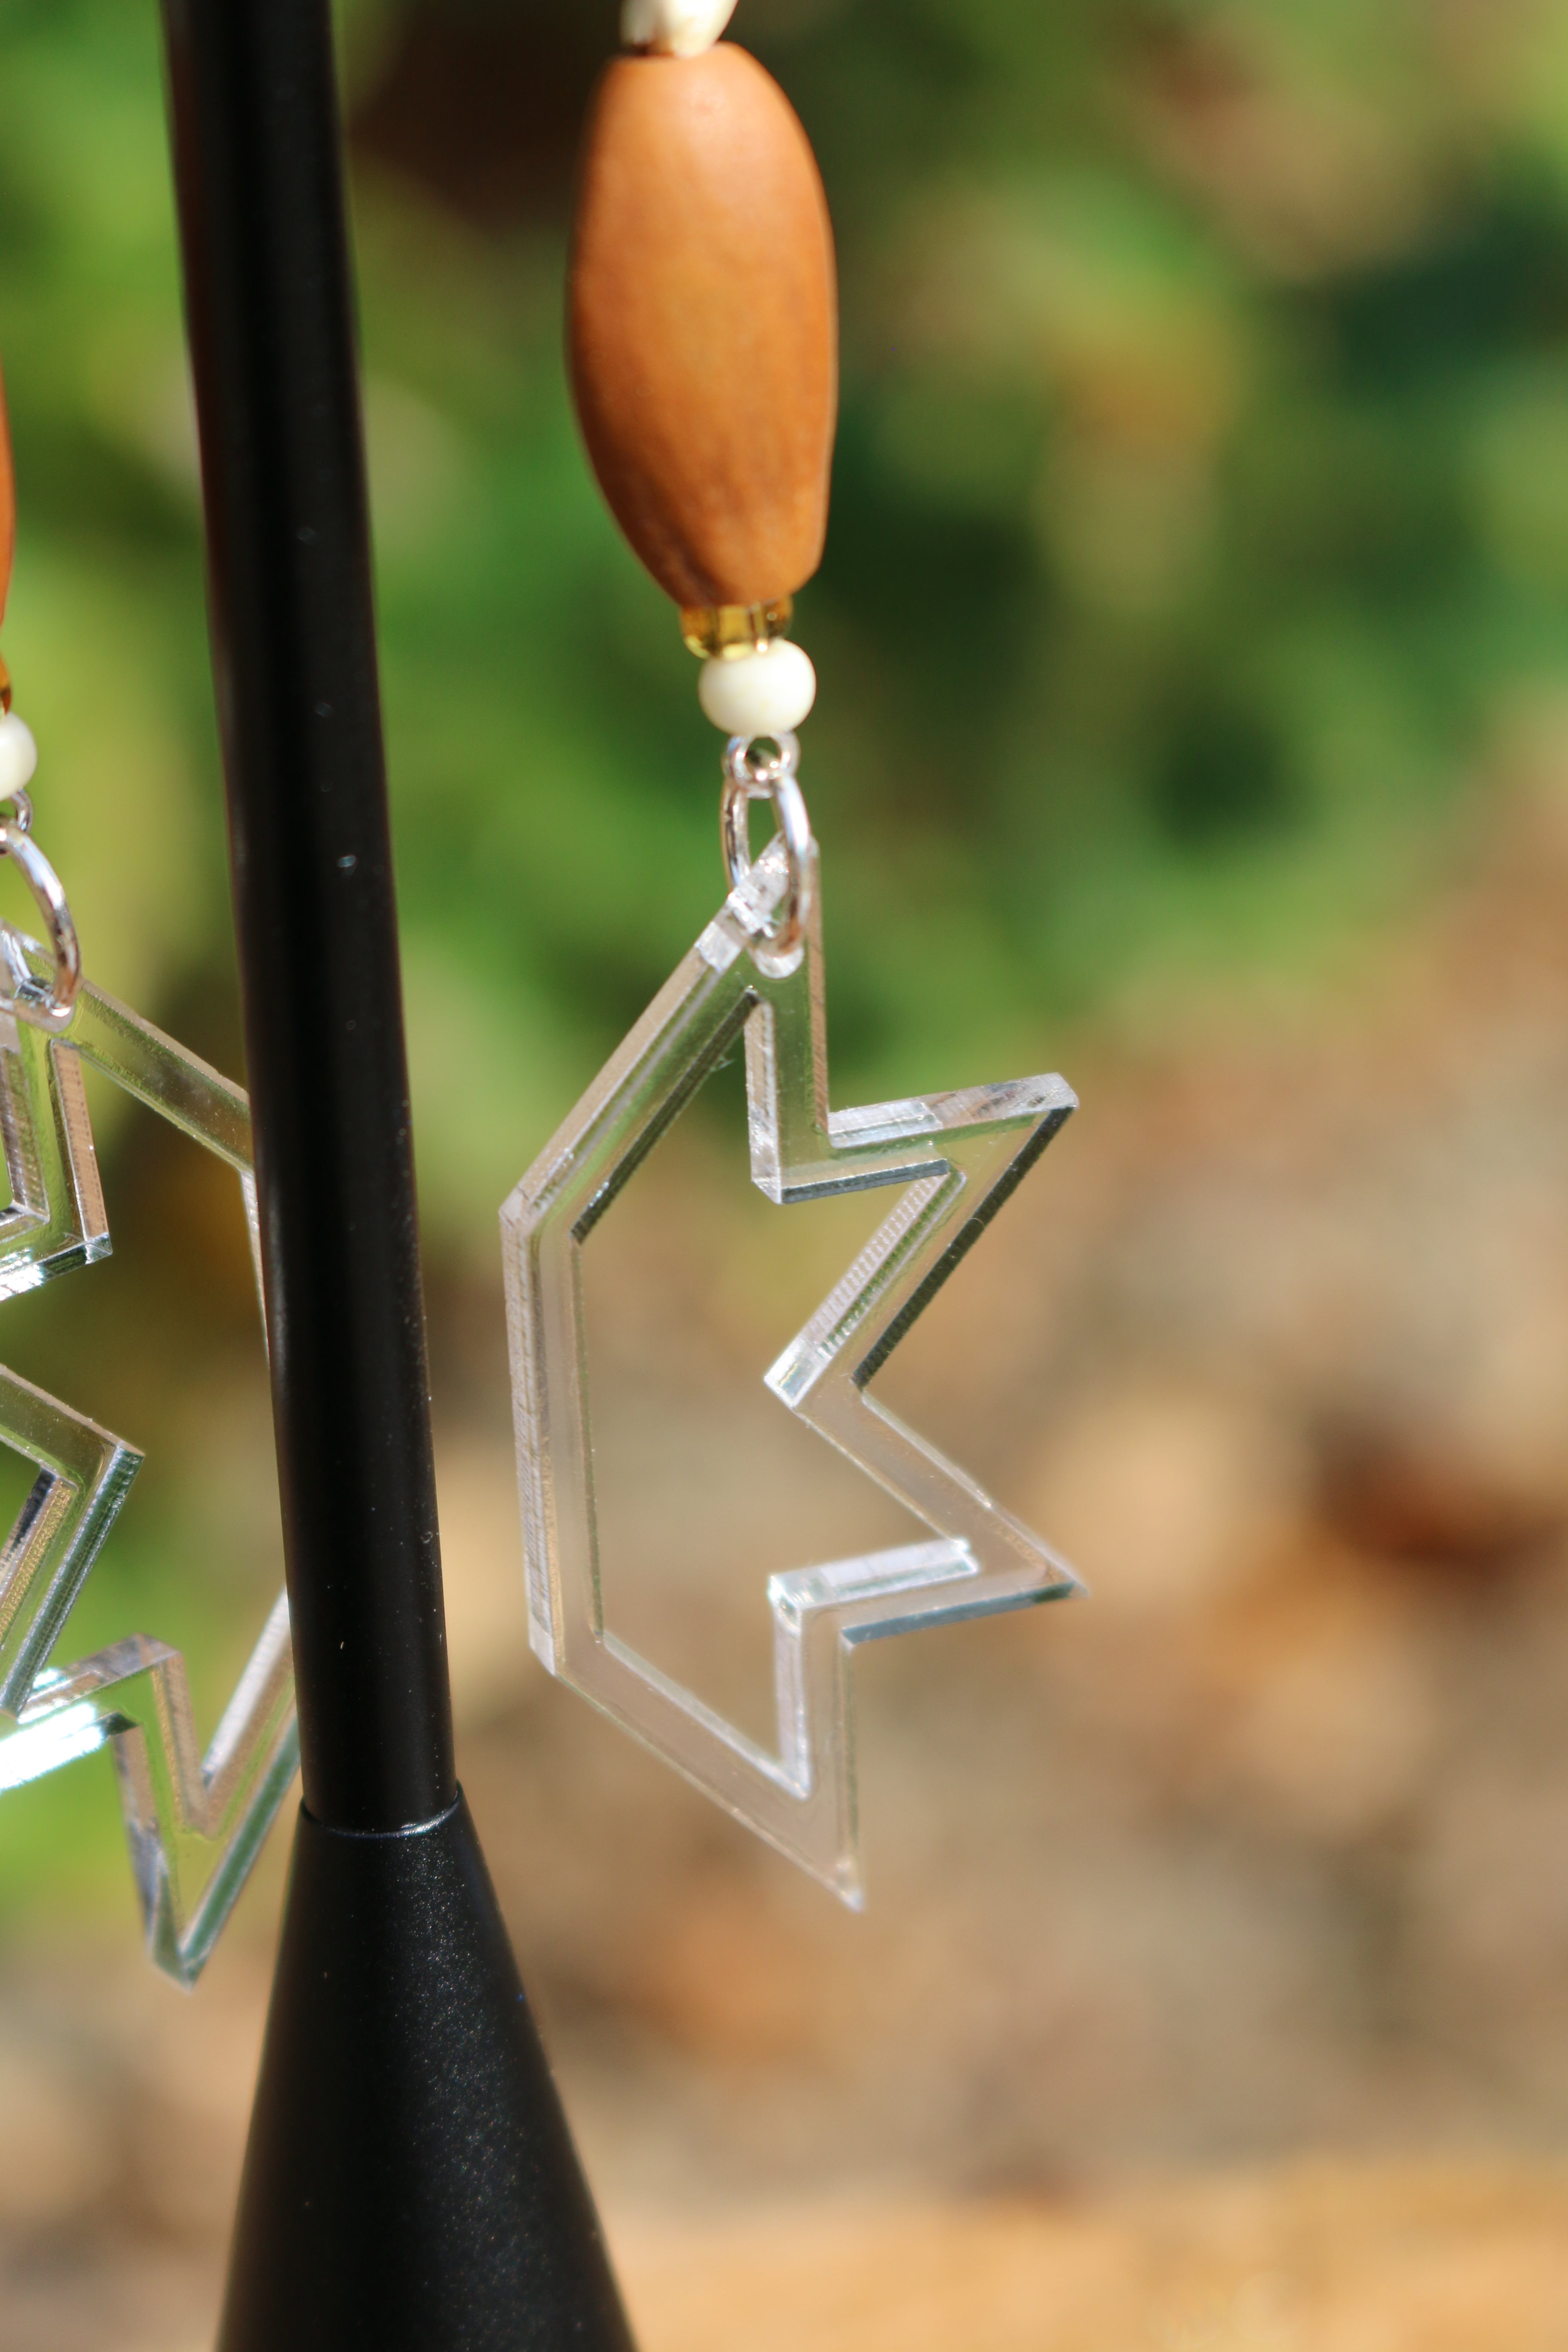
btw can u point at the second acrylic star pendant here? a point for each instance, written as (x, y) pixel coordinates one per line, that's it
(953, 1160)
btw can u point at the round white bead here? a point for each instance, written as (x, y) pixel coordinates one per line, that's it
(18, 754)
(675, 28)
(764, 693)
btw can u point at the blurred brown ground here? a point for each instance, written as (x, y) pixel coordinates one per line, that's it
(1213, 1991)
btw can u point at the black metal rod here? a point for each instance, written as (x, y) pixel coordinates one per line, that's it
(260, 186)
(410, 2183)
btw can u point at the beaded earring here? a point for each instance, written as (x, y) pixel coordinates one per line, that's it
(194, 1822)
(703, 337)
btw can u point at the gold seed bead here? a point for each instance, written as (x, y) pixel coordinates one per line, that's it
(724, 631)
(4, 685)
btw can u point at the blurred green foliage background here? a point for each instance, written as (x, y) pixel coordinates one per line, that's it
(1200, 526)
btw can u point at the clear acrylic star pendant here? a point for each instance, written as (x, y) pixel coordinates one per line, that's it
(950, 1161)
(194, 1821)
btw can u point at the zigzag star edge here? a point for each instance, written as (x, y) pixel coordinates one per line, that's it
(194, 1823)
(957, 1157)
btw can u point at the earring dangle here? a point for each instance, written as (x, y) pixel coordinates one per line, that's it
(194, 1821)
(704, 354)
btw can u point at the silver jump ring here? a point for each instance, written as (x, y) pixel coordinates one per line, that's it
(775, 778)
(30, 1001)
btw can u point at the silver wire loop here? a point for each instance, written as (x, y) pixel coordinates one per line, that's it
(751, 775)
(52, 1008)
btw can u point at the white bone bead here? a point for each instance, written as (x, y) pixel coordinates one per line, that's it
(768, 692)
(18, 754)
(674, 28)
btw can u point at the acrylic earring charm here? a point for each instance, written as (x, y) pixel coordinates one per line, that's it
(194, 1821)
(703, 337)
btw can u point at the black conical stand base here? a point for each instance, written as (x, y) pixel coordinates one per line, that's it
(410, 2179)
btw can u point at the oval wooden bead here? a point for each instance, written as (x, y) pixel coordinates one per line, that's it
(704, 325)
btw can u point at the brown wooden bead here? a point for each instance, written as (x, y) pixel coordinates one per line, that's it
(704, 325)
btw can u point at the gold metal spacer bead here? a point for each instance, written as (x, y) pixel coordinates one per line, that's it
(4, 685)
(721, 630)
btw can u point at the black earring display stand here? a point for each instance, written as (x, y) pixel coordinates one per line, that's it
(410, 2180)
